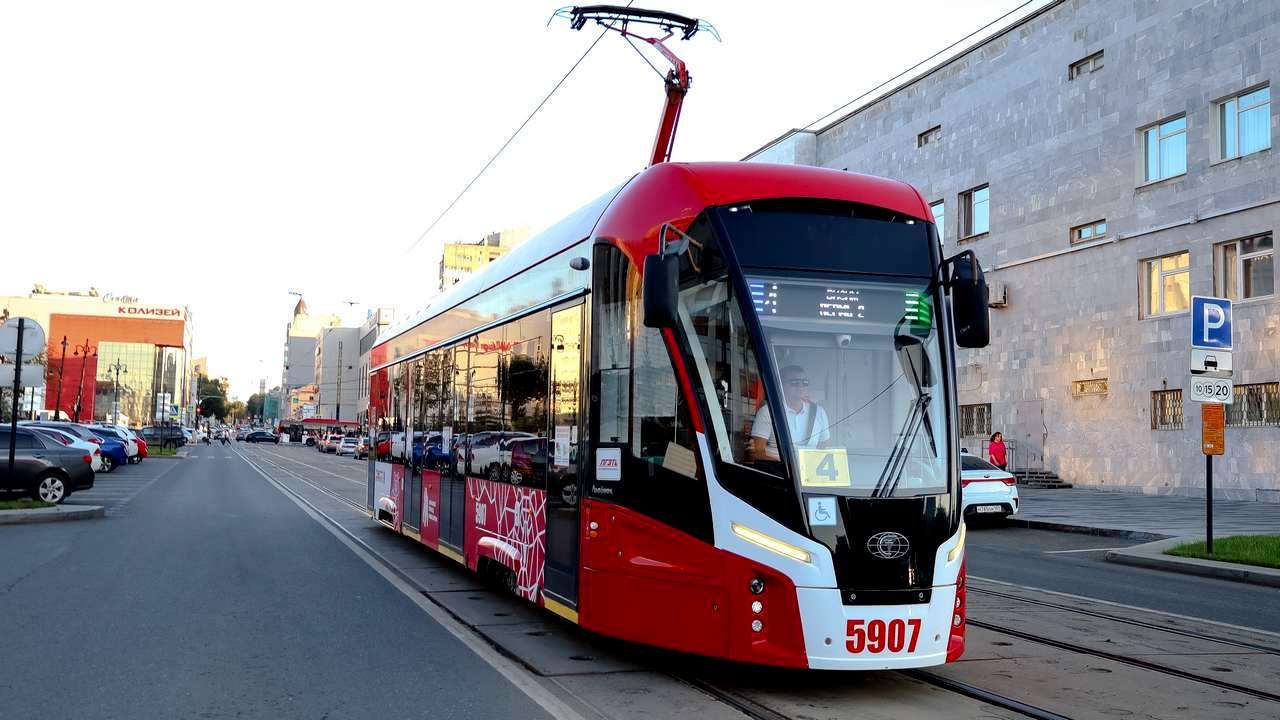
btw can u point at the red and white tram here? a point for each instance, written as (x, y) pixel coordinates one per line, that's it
(712, 411)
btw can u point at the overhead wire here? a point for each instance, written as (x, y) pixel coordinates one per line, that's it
(510, 139)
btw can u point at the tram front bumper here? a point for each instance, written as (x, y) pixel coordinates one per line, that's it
(875, 637)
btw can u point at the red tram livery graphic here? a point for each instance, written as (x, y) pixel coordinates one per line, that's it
(648, 420)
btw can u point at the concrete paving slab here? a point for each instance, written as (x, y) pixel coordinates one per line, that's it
(1151, 555)
(442, 580)
(57, 513)
(1084, 687)
(646, 696)
(551, 648)
(479, 608)
(865, 696)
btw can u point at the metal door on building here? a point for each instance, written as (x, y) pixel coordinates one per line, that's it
(564, 453)
(1029, 434)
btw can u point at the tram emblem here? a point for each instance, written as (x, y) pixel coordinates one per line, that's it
(888, 545)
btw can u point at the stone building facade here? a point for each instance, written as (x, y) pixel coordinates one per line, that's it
(1105, 160)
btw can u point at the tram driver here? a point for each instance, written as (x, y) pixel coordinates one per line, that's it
(806, 419)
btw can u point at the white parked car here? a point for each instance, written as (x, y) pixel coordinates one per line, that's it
(986, 489)
(70, 440)
(347, 446)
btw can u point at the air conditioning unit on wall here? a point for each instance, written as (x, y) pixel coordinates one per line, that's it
(998, 296)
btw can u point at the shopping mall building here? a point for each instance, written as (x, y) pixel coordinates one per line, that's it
(91, 334)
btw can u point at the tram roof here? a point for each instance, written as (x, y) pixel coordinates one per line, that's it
(714, 183)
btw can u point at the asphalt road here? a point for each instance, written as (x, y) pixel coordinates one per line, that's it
(1071, 563)
(216, 596)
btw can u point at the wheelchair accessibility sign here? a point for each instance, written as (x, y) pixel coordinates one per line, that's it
(822, 510)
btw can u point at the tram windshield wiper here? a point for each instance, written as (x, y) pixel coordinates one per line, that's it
(915, 366)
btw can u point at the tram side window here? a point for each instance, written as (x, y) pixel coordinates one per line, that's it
(660, 427)
(613, 272)
(425, 394)
(486, 409)
(526, 397)
(399, 409)
(456, 428)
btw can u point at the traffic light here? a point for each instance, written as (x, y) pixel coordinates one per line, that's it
(199, 410)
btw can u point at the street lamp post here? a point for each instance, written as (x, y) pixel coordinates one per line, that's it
(82, 351)
(118, 367)
(62, 368)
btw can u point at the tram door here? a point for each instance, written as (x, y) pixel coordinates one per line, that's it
(564, 454)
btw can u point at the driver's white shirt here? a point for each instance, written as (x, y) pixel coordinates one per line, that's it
(762, 427)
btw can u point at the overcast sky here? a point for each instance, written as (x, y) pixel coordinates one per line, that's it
(218, 155)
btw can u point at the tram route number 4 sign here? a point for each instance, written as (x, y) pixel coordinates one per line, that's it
(1211, 344)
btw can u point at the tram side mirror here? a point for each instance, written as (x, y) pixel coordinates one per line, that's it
(969, 297)
(661, 290)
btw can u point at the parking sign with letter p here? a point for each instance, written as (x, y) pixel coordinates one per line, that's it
(1210, 323)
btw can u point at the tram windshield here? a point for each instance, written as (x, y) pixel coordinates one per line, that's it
(856, 368)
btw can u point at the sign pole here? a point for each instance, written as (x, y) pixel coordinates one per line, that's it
(1208, 504)
(17, 384)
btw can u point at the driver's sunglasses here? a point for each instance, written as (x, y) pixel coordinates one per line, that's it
(797, 382)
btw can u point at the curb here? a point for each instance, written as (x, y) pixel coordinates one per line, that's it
(1151, 556)
(1085, 529)
(57, 513)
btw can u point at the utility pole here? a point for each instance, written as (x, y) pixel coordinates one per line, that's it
(17, 385)
(62, 368)
(117, 367)
(337, 411)
(84, 360)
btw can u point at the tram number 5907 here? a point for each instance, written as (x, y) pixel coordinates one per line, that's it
(876, 636)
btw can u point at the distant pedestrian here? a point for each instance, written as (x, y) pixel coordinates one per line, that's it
(996, 451)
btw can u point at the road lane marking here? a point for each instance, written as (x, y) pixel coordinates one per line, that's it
(522, 679)
(1061, 552)
(1166, 613)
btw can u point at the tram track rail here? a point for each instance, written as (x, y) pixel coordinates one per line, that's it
(758, 711)
(1128, 660)
(1191, 634)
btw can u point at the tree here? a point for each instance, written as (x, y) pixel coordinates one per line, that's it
(235, 410)
(213, 397)
(254, 406)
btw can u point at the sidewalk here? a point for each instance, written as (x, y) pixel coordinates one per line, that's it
(1140, 517)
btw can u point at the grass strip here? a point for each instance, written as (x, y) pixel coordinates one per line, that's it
(1260, 550)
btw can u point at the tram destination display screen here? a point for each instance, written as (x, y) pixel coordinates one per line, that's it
(840, 302)
(818, 301)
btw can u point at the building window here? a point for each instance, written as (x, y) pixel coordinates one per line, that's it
(975, 420)
(1093, 63)
(975, 209)
(1245, 269)
(1256, 405)
(1095, 230)
(1244, 124)
(939, 210)
(930, 136)
(1166, 149)
(1166, 410)
(1166, 284)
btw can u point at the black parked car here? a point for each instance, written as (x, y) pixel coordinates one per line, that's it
(260, 436)
(169, 436)
(43, 468)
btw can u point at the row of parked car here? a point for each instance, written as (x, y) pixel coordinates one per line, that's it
(54, 459)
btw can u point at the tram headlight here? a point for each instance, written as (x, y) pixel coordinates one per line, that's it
(772, 544)
(756, 586)
(757, 606)
(756, 626)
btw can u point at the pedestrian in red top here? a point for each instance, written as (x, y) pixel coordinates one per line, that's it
(996, 451)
